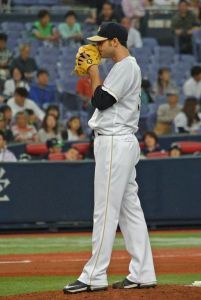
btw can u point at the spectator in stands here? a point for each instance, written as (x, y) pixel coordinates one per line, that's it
(42, 92)
(84, 91)
(7, 112)
(175, 150)
(134, 9)
(7, 131)
(167, 112)
(150, 140)
(53, 110)
(5, 57)
(192, 86)
(50, 129)
(20, 102)
(25, 63)
(5, 154)
(15, 81)
(146, 96)
(32, 118)
(54, 145)
(74, 129)
(71, 29)
(134, 36)
(22, 131)
(164, 83)
(43, 29)
(107, 14)
(184, 23)
(72, 154)
(189, 119)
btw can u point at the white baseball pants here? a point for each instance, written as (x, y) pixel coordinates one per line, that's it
(116, 201)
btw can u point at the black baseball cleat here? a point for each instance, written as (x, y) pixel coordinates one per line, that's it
(78, 287)
(127, 284)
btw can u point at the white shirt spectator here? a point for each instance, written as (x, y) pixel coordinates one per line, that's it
(134, 38)
(133, 8)
(6, 155)
(28, 104)
(10, 86)
(192, 88)
(181, 121)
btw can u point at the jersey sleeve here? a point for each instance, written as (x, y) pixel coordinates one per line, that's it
(117, 81)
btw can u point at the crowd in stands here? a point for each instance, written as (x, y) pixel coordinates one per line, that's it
(31, 109)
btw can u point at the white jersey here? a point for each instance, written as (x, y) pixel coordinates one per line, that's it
(124, 84)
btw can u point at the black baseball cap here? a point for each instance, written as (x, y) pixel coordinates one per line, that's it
(109, 31)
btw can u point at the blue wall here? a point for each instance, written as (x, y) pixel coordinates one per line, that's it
(169, 189)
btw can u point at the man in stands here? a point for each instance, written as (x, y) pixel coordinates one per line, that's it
(134, 37)
(184, 23)
(43, 29)
(25, 63)
(167, 112)
(107, 14)
(5, 58)
(41, 92)
(192, 86)
(71, 29)
(5, 154)
(20, 102)
(84, 91)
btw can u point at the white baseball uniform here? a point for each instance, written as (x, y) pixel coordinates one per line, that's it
(117, 152)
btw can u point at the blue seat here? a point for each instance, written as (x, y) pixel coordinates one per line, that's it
(150, 43)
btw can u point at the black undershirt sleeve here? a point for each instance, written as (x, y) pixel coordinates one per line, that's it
(102, 99)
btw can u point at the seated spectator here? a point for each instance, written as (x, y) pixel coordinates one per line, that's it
(49, 129)
(175, 150)
(71, 29)
(107, 14)
(5, 57)
(53, 110)
(32, 118)
(134, 36)
(84, 91)
(3, 128)
(5, 154)
(150, 140)
(167, 112)
(164, 83)
(72, 154)
(134, 9)
(42, 92)
(20, 102)
(25, 63)
(14, 82)
(43, 29)
(7, 113)
(54, 145)
(22, 131)
(184, 23)
(74, 129)
(146, 97)
(189, 119)
(192, 86)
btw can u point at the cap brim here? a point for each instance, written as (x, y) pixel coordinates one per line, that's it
(97, 38)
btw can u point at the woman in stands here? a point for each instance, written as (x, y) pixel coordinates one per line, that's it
(74, 129)
(150, 140)
(164, 83)
(189, 119)
(16, 80)
(49, 129)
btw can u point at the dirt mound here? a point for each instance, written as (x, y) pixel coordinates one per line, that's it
(162, 292)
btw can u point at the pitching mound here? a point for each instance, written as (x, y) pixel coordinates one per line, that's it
(166, 292)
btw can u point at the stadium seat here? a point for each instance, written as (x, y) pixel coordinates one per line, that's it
(56, 156)
(161, 154)
(36, 149)
(189, 147)
(81, 147)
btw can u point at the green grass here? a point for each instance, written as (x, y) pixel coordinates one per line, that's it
(23, 285)
(28, 245)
